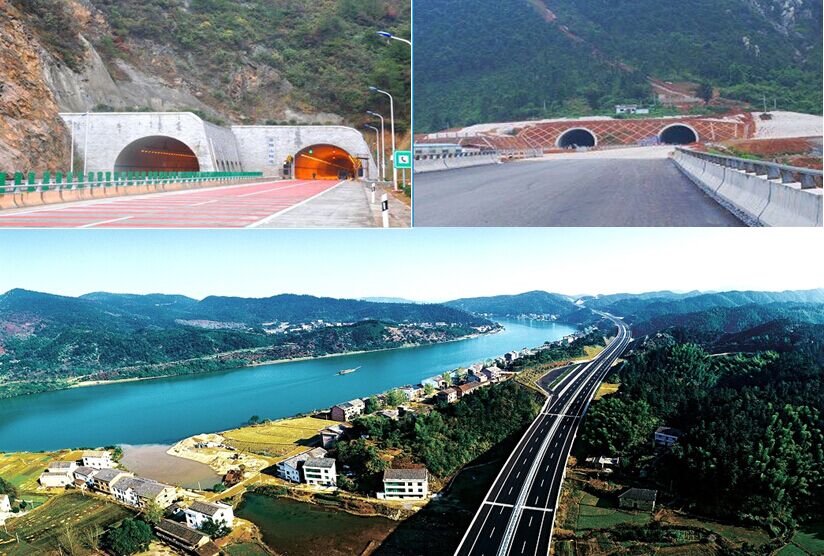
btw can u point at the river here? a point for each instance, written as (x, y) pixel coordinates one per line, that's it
(163, 411)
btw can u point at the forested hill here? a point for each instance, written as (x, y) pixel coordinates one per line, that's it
(528, 303)
(49, 341)
(643, 307)
(128, 310)
(504, 60)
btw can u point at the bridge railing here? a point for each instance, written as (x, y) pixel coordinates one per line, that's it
(759, 193)
(807, 177)
(31, 182)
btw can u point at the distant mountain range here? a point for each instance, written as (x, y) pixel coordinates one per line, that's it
(510, 60)
(129, 310)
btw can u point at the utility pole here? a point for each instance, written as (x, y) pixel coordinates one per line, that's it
(765, 103)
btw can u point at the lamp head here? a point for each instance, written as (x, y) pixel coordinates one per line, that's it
(385, 34)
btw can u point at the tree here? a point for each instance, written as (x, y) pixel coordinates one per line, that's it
(130, 537)
(153, 513)
(215, 529)
(372, 405)
(705, 91)
(428, 389)
(8, 488)
(254, 419)
(396, 397)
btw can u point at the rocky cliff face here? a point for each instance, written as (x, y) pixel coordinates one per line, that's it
(32, 134)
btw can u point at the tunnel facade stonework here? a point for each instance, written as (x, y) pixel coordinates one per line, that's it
(105, 135)
(616, 132)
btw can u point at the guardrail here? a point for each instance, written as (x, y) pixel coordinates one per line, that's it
(760, 193)
(807, 177)
(20, 182)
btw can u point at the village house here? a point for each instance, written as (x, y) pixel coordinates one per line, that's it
(435, 382)
(392, 414)
(412, 393)
(666, 436)
(511, 356)
(347, 411)
(405, 484)
(98, 459)
(449, 395)
(140, 492)
(200, 512)
(466, 389)
(105, 478)
(474, 369)
(492, 373)
(320, 472)
(59, 474)
(290, 468)
(602, 462)
(5, 503)
(480, 378)
(83, 476)
(638, 499)
(191, 541)
(330, 435)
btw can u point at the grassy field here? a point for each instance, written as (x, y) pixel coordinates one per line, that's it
(245, 549)
(43, 530)
(586, 511)
(23, 468)
(278, 438)
(808, 540)
(605, 389)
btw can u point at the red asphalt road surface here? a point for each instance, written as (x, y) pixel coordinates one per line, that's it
(234, 206)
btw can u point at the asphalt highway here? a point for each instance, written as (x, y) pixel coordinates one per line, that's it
(231, 206)
(518, 512)
(566, 192)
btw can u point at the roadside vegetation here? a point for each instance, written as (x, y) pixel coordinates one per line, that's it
(745, 475)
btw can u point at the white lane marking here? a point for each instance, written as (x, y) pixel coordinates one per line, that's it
(203, 203)
(498, 504)
(284, 211)
(269, 190)
(93, 224)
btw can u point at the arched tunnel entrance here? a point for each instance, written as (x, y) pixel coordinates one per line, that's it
(157, 153)
(678, 134)
(577, 137)
(325, 162)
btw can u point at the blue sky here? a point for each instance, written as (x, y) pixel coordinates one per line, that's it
(420, 264)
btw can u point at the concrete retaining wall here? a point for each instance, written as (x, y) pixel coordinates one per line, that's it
(755, 199)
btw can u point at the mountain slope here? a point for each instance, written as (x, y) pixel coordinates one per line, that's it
(252, 62)
(534, 302)
(50, 341)
(518, 59)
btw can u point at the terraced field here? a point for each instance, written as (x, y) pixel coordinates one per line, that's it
(278, 438)
(49, 527)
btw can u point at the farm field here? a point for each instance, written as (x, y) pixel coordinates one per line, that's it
(23, 468)
(277, 438)
(593, 525)
(44, 529)
(605, 389)
(807, 540)
(245, 549)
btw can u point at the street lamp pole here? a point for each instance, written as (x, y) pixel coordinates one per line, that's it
(383, 145)
(377, 144)
(393, 37)
(392, 126)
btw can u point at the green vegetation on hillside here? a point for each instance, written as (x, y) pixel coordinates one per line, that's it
(48, 340)
(502, 61)
(753, 443)
(327, 49)
(443, 440)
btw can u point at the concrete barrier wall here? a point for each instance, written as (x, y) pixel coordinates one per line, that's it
(755, 199)
(433, 164)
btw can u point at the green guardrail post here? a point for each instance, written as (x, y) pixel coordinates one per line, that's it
(2, 183)
(46, 181)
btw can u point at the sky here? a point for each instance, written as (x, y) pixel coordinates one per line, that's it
(420, 264)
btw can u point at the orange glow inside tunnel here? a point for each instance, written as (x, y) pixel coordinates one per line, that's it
(325, 162)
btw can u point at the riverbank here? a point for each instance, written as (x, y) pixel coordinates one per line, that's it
(89, 383)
